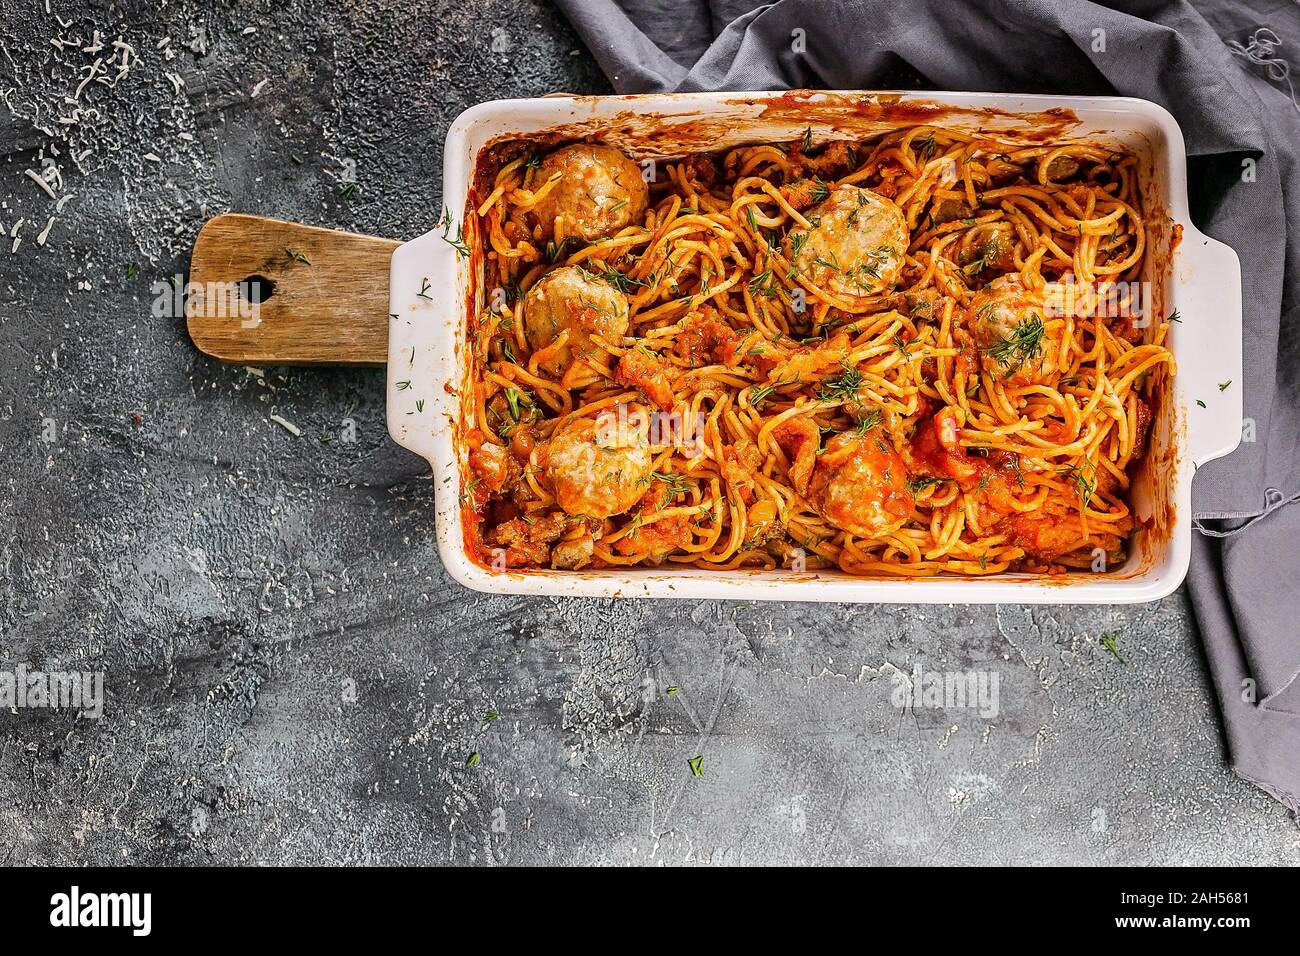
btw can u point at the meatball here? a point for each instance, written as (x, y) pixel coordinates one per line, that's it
(600, 192)
(1048, 537)
(856, 245)
(860, 485)
(1015, 341)
(600, 468)
(572, 298)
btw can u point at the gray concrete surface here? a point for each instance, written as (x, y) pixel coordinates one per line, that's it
(291, 677)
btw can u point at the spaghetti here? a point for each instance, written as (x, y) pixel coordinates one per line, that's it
(919, 353)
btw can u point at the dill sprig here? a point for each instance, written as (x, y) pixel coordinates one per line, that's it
(868, 422)
(761, 394)
(1084, 478)
(459, 244)
(677, 484)
(623, 283)
(918, 483)
(842, 387)
(1024, 344)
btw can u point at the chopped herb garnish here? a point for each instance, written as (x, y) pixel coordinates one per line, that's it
(297, 256)
(1084, 478)
(623, 283)
(842, 387)
(918, 483)
(761, 284)
(459, 244)
(761, 394)
(868, 422)
(797, 241)
(1111, 643)
(1223, 386)
(697, 766)
(1024, 344)
(831, 263)
(554, 250)
(469, 489)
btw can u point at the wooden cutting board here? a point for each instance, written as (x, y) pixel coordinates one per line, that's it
(279, 293)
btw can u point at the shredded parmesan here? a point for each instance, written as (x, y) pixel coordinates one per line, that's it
(93, 71)
(39, 180)
(260, 86)
(45, 233)
(287, 425)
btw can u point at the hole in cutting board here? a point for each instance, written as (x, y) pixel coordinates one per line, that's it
(256, 289)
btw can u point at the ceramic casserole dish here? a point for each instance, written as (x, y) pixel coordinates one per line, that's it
(434, 290)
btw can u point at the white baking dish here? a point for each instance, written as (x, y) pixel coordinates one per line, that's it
(432, 290)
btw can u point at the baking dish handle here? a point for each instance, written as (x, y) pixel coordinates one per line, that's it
(424, 280)
(1209, 365)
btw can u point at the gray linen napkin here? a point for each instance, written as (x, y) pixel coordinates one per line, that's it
(1221, 67)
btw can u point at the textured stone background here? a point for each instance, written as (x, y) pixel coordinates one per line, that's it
(292, 677)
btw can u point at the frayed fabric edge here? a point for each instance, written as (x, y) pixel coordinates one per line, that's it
(1274, 499)
(1283, 797)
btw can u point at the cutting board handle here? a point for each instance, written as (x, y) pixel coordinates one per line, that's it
(266, 292)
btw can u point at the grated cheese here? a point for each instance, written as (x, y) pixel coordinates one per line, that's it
(287, 425)
(39, 180)
(93, 71)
